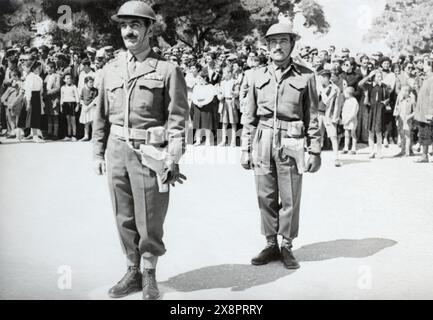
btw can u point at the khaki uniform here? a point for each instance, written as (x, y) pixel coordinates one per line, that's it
(154, 95)
(278, 155)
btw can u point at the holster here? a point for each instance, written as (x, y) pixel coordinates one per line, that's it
(293, 144)
(154, 158)
(294, 148)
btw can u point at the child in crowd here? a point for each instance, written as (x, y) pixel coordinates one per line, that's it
(404, 113)
(69, 100)
(228, 114)
(378, 98)
(88, 104)
(350, 119)
(52, 99)
(12, 99)
(329, 112)
(86, 72)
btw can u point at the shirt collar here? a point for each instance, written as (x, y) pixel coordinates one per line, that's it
(139, 56)
(286, 65)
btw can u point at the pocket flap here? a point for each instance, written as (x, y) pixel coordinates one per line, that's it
(262, 82)
(114, 84)
(149, 83)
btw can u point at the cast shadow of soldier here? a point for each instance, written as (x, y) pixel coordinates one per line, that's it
(239, 277)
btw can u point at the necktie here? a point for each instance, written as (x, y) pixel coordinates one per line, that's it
(279, 73)
(131, 66)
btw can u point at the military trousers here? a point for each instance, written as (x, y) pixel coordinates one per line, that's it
(138, 206)
(278, 185)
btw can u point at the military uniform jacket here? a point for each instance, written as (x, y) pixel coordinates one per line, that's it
(158, 97)
(294, 97)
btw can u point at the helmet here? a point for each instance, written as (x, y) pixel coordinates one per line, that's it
(282, 28)
(137, 9)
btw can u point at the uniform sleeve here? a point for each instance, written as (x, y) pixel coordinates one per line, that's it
(177, 113)
(311, 122)
(250, 119)
(101, 125)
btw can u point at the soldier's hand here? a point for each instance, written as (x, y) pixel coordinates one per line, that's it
(99, 167)
(314, 163)
(173, 175)
(246, 160)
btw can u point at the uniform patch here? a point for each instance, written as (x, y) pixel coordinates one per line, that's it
(153, 76)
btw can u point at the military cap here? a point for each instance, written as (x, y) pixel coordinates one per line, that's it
(85, 61)
(345, 50)
(232, 57)
(11, 52)
(282, 28)
(324, 73)
(336, 58)
(108, 49)
(137, 9)
(418, 58)
(91, 50)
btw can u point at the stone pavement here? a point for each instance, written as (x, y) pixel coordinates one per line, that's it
(365, 230)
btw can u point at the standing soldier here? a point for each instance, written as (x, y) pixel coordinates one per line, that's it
(140, 124)
(281, 112)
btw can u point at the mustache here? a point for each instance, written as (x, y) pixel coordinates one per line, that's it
(130, 36)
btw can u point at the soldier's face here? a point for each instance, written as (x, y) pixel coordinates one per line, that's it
(280, 47)
(135, 34)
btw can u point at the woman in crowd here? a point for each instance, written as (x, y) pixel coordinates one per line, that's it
(203, 105)
(33, 90)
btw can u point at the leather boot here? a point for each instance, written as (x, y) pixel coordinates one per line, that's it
(130, 283)
(270, 253)
(288, 259)
(150, 286)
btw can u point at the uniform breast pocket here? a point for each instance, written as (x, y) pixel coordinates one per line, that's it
(264, 92)
(115, 96)
(293, 93)
(148, 94)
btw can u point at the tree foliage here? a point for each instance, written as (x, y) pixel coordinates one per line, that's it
(406, 26)
(192, 22)
(17, 17)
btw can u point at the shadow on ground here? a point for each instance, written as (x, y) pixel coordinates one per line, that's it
(243, 276)
(346, 162)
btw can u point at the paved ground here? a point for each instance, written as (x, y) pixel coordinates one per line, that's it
(366, 229)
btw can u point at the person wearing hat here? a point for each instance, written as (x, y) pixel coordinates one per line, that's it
(345, 53)
(109, 53)
(281, 111)
(138, 139)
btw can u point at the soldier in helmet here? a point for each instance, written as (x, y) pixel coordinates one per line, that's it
(281, 112)
(139, 134)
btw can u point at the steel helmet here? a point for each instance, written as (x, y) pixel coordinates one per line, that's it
(137, 9)
(282, 28)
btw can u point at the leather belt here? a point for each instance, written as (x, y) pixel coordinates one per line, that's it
(133, 134)
(294, 128)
